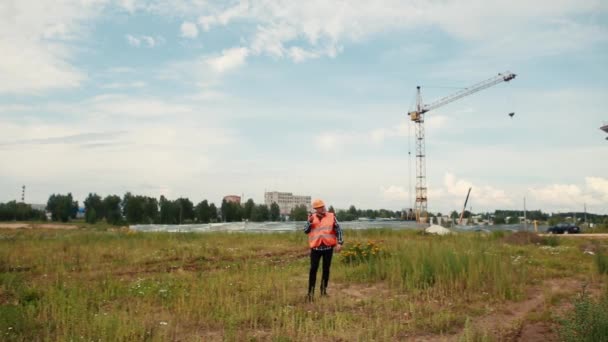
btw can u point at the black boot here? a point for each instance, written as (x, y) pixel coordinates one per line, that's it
(310, 296)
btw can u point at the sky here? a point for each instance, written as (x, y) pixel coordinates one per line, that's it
(202, 99)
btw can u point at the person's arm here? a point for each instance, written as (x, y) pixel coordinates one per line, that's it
(307, 225)
(338, 231)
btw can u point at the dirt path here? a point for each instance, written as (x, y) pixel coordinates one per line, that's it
(512, 322)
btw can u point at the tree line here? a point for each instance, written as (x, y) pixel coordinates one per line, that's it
(17, 211)
(300, 213)
(137, 209)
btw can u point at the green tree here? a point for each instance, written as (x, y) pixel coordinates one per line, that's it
(212, 212)
(13, 210)
(353, 213)
(111, 209)
(90, 216)
(185, 209)
(140, 209)
(231, 212)
(225, 211)
(331, 209)
(93, 208)
(62, 207)
(150, 208)
(499, 220)
(299, 213)
(132, 208)
(248, 208)
(260, 213)
(203, 212)
(275, 212)
(343, 215)
(169, 213)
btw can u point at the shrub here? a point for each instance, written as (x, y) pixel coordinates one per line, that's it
(552, 241)
(587, 322)
(363, 253)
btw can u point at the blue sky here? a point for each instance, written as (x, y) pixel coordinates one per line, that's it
(208, 98)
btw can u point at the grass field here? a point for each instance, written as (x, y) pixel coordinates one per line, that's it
(113, 285)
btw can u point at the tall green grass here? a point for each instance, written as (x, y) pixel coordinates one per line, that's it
(449, 266)
(601, 261)
(119, 285)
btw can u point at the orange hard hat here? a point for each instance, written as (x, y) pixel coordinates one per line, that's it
(318, 203)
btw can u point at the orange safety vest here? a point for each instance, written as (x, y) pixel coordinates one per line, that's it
(322, 231)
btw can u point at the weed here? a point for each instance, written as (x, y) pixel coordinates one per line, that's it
(552, 241)
(588, 321)
(363, 253)
(601, 261)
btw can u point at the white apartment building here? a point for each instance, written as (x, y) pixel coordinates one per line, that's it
(286, 201)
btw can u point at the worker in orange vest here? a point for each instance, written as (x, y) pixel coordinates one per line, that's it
(324, 234)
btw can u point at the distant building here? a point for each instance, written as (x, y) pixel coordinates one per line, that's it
(286, 201)
(233, 199)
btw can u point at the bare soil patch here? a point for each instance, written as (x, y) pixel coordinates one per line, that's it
(37, 226)
(523, 238)
(14, 225)
(55, 226)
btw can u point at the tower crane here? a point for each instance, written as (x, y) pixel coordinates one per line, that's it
(418, 117)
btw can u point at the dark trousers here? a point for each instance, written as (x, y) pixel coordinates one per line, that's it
(315, 257)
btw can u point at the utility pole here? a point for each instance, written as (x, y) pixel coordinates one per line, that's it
(525, 218)
(585, 209)
(23, 193)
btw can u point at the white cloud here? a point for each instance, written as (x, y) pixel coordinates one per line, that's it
(176, 145)
(298, 54)
(327, 25)
(599, 187)
(189, 30)
(133, 41)
(230, 59)
(124, 85)
(206, 22)
(143, 40)
(436, 122)
(37, 43)
(333, 141)
(341, 139)
(129, 5)
(395, 193)
(572, 197)
(121, 106)
(484, 195)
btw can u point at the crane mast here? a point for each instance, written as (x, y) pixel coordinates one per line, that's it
(418, 117)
